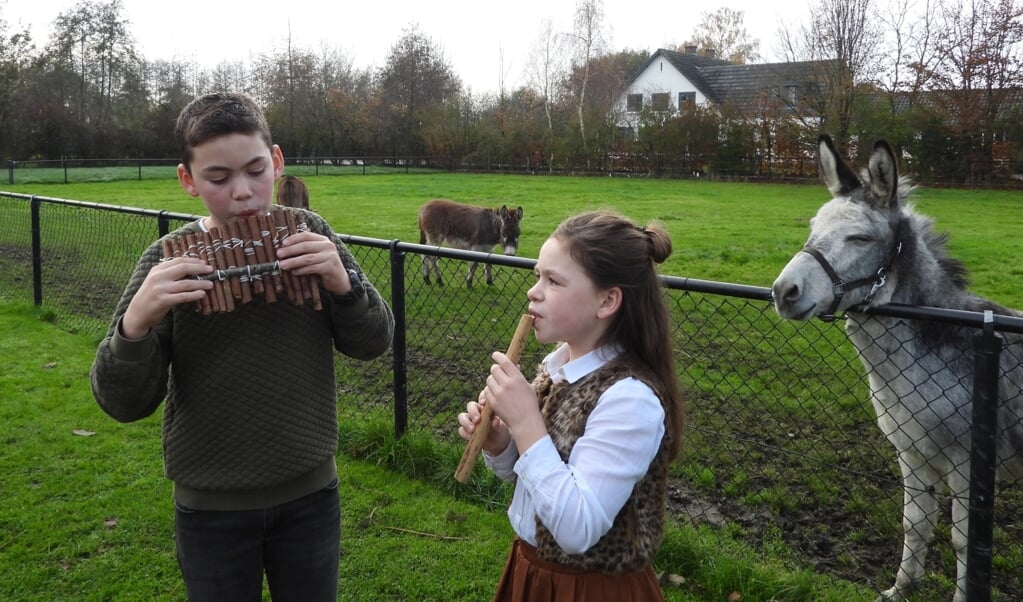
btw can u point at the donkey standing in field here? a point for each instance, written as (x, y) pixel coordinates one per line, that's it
(292, 192)
(867, 247)
(450, 224)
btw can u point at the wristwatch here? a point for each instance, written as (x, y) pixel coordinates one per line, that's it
(357, 289)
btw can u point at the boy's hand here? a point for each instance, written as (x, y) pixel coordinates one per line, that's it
(169, 283)
(307, 253)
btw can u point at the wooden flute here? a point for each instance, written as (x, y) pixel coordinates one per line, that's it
(475, 444)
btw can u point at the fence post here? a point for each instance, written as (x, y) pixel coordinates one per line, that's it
(10, 172)
(162, 224)
(398, 344)
(37, 254)
(987, 346)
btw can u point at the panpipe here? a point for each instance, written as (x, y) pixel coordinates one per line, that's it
(244, 257)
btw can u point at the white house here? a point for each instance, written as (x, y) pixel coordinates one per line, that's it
(670, 79)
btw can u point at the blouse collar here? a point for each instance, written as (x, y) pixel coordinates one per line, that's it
(561, 369)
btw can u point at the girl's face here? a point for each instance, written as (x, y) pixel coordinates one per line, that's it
(234, 176)
(565, 303)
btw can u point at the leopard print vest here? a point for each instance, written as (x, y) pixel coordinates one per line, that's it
(636, 533)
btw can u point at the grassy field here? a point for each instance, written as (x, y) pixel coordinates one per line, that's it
(742, 233)
(725, 232)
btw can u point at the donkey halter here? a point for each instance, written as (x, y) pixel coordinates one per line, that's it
(842, 287)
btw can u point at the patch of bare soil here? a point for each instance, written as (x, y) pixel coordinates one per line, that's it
(819, 537)
(842, 544)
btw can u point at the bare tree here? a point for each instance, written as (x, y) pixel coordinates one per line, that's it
(842, 37)
(15, 56)
(979, 69)
(589, 40)
(910, 42)
(415, 78)
(344, 92)
(92, 42)
(546, 65)
(724, 32)
(232, 74)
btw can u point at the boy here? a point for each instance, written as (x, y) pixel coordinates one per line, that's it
(250, 421)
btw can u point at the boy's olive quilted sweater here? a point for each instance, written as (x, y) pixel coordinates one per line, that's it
(250, 417)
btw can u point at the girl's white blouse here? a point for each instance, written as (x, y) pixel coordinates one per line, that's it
(577, 501)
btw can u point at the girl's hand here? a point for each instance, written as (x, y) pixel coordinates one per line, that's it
(513, 399)
(169, 283)
(498, 436)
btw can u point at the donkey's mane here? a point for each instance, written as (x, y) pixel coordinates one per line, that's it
(937, 243)
(916, 229)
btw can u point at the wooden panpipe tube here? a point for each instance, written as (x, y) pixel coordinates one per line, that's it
(280, 234)
(226, 290)
(259, 250)
(249, 255)
(310, 284)
(269, 237)
(234, 248)
(475, 444)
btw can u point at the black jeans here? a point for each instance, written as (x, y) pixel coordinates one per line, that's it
(223, 555)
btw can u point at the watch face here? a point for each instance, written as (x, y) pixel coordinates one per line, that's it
(356, 281)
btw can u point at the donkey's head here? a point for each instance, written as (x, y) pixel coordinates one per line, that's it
(510, 230)
(853, 239)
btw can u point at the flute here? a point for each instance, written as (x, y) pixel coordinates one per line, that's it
(475, 445)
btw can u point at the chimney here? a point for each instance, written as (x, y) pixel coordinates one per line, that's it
(710, 53)
(690, 48)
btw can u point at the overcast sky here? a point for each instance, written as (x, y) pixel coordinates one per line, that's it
(472, 34)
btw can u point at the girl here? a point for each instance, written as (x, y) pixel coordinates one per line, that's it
(589, 443)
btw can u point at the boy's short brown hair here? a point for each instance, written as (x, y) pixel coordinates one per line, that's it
(218, 114)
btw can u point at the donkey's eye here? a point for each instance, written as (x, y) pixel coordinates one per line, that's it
(858, 239)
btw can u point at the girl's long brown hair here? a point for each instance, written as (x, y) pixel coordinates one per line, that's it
(615, 252)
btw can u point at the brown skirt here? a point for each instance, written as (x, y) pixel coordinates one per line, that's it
(529, 578)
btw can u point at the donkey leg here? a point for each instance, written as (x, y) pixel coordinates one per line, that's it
(430, 264)
(488, 269)
(472, 272)
(959, 483)
(919, 513)
(426, 268)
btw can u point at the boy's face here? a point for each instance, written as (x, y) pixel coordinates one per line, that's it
(233, 175)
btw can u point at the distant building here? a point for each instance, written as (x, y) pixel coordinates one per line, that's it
(670, 80)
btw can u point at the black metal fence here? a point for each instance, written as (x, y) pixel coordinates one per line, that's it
(37, 171)
(776, 168)
(781, 444)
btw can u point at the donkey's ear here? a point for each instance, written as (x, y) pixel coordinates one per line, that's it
(884, 175)
(836, 174)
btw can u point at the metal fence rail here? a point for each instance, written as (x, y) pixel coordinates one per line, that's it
(92, 170)
(781, 439)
